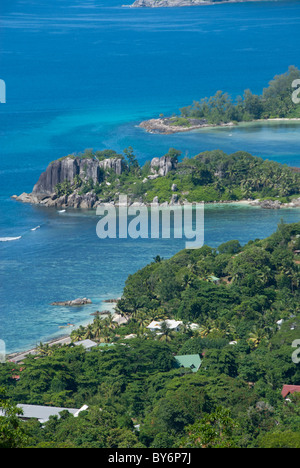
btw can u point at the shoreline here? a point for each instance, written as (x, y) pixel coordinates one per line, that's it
(18, 356)
(158, 126)
(183, 3)
(166, 204)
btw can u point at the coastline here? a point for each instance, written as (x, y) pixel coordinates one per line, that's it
(183, 3)
(19, 356)
(295, 203)
(160, 127)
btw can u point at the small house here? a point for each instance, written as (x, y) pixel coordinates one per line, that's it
(214, 279)
(173, 325)
(87, 344)
(189, 361)
(43, 413)
(289, 390)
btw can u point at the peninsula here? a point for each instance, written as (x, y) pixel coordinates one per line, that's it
(275, 103)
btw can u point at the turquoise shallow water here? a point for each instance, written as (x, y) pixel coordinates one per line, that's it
(83, 75)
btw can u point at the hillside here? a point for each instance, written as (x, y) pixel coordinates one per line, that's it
(241, 286)
(244, 305)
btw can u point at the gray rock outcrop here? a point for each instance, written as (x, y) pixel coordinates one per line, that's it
(276, 205)
(68, 168)
(114, 164)
(76, 171)
(75, 302)
(162, 166)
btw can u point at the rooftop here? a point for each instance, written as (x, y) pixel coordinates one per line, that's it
(172, 324)
(289, 389)
(87, 344)
(43, 413)
(192, 361)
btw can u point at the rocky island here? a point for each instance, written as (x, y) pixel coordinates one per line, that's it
(92, 179)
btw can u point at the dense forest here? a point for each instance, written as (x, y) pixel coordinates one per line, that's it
(207, 177)
(274, 102)
(244, 304)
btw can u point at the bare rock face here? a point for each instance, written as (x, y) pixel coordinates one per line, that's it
(89, 169)
(115, 164)
(56, 173)
(162, 166)
(88, 201)
(67, 169)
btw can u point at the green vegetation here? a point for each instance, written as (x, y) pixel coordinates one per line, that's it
(207, 177)
(233, 400)
(275, 102)
(216, 176)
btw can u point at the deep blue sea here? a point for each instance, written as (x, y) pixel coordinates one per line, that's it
(83, 74)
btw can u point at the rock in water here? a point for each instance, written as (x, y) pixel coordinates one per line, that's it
(75, 302)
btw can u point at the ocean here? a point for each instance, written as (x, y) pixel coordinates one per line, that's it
(83, 75)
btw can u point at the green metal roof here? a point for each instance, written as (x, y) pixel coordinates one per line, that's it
(192, 361)
(214, 278)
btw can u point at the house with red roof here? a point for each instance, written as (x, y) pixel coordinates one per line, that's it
(289, 390)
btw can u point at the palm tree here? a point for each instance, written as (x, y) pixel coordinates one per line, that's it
(256, 336)
(105, 335)
(44, 349)
(97, 327)
(207, 329)
(143, 320)
(159, 314)
(109, 322)
(89, 332)
(77, 334)
(166, 333)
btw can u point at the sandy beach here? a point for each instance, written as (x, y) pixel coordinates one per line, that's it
(20, 356)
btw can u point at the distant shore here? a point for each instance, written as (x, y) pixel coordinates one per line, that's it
(165, 127)
(182, 3)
